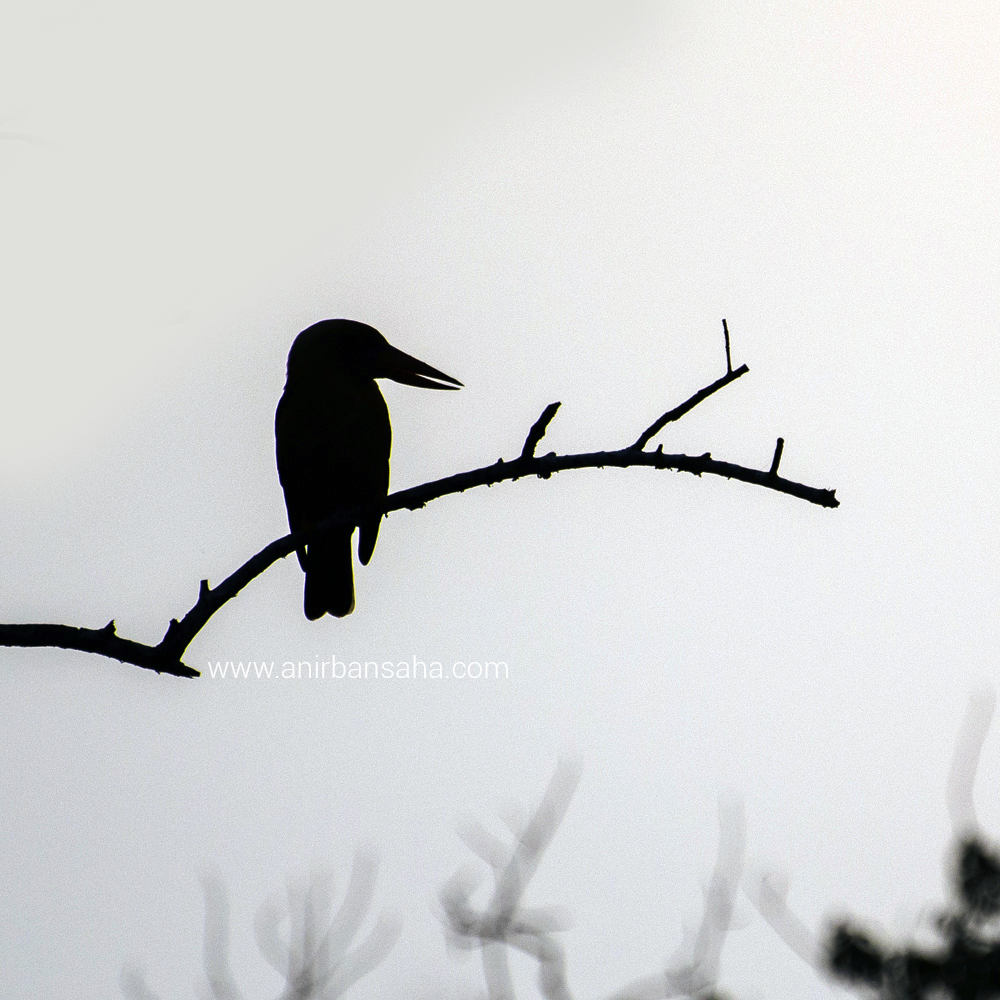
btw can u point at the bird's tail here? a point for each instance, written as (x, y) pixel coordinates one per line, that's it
(330, 575)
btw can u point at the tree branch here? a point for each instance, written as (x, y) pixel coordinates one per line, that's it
(165, 657)
(545, 466)
(538, 429)
(506, 923)
(678, 411)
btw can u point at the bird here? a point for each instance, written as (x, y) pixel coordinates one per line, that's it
(332, 442)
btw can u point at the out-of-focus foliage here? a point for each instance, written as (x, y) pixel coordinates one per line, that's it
(966, 965)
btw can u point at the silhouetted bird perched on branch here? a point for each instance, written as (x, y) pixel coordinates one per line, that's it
(332, 437)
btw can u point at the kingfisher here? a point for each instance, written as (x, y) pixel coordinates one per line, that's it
(332, 441)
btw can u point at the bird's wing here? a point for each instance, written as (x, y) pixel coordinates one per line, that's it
(286, 461)
(380, 444)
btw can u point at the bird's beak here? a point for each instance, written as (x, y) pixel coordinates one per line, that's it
(400, 367)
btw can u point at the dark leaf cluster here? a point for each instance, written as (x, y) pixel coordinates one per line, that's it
(965, 962)
(965, 966)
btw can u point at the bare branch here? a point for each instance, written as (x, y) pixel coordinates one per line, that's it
(538, 429)
(678, 411)
(165, 657)
(776, 461)
(545, 466)
(102, 641)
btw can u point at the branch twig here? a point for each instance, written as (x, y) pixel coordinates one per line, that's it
(538, 429)
(778, 449)
(165, 657)
(678, 411)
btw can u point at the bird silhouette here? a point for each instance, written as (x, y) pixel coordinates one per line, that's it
(332, 441)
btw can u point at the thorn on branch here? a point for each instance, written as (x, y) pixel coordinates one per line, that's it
(204, 590)
(729, 360)
(109, 629)
(778, 448)
(538, 429)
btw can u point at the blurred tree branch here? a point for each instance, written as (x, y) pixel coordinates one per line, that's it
(316, 963)
(965, 962)
(165, 657)
(322, 965)
(506, 923)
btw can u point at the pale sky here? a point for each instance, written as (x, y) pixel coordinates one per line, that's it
(548, 201)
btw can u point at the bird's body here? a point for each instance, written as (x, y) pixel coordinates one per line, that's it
(332, 439)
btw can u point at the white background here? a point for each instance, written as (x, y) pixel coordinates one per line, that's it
(547, 200)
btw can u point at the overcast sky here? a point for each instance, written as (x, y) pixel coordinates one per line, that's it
(548, 201)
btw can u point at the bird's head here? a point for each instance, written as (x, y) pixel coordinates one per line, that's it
(358, 351)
